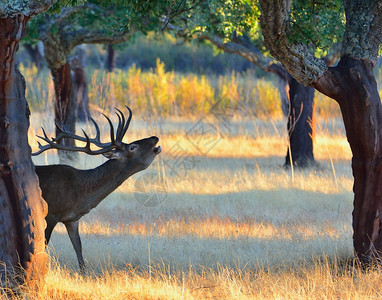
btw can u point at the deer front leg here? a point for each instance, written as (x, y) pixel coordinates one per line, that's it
(72, 228)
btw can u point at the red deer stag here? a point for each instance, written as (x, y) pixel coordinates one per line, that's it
(72, 193)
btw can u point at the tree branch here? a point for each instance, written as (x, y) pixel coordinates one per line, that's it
(296, 58)
(173, 13)
(27, 8)
(84, 36)
(255, 57)
(66, 12)
(239, 45)
(333, 55)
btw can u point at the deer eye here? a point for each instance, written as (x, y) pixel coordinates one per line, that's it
(132, 147)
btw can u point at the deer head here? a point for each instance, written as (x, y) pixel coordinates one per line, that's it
(142, 151)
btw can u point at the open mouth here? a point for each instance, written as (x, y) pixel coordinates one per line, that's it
(157, 150)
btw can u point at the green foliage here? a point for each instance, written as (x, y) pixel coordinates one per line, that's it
(317, 23)
(146, 15)
(226, 17)
(220, 17)
(89, 15)
(106, 16)
(56, 7)
(195, 18)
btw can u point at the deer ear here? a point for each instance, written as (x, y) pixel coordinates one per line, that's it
(113, 154)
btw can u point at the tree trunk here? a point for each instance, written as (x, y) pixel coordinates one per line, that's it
(301, 121)
(301, 124)
(110, 58)
(353, 85)
(23, 210)
(80, 85)
(35, 55)
(81, 96)
(65, 108)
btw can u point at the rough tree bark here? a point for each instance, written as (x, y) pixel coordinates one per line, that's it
(301, 125)
(352, 84)
(110, 58)
(297, 100)
(80, 85)
(64, 109)
(301, 121)
(22, 210)
(35, 55)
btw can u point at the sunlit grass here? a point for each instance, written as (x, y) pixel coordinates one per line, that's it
(225, 220)
(312, 279)
(213, 227)
(128, 284)
(231, 222)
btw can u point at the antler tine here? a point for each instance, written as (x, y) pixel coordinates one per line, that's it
(45, 137)
(41, 147)
(112, 140)
(98, 134)
(63, 133)
(60, 130)
(121, 124)
(87, 146)
(127, 121)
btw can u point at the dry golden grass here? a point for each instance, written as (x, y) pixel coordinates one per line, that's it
(232, 223)
(316, 279)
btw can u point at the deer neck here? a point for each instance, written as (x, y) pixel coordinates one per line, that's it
(107, 177)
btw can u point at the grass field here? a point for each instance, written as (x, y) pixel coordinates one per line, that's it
(216, 216)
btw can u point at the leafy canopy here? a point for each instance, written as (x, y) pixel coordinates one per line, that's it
(85, 15)
(318, 23)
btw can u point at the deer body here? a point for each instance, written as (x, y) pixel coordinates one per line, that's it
(79, 191)
(71, 193)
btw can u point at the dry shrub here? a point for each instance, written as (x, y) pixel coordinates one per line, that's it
(326, 108)
(166, 93)
(266, 99)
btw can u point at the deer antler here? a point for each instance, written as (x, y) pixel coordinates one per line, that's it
(115, 142)
(122, 126)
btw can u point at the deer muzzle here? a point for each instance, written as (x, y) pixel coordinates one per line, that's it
(157, 150)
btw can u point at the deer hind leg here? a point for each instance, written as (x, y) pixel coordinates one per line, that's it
(72, 228)
(48, 230)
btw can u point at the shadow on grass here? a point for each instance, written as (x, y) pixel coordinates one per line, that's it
(325, 232)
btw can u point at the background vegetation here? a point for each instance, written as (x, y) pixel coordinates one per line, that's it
(226, 221)
(156, 75)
